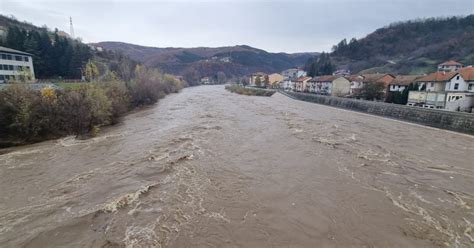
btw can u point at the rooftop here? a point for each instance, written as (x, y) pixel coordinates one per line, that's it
(302, 79)
(9, 50)
(451, 63)
(373, 77)
(326, 78)
(438, 76)
(467, 73)
(405, 79)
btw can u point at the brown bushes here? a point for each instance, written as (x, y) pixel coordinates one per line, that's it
(27, 115)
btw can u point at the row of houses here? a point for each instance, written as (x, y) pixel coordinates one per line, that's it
(450, 88)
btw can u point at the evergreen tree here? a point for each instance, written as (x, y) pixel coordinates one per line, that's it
(319, 66)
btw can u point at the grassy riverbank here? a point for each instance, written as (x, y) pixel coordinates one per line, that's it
(249, 91)
(28, 115)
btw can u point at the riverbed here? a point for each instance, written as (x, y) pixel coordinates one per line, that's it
(209, 168)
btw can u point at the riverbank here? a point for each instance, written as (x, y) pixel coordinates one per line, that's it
(249, 91)
(454, 121)
(30, 115)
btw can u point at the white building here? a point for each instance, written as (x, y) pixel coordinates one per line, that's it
(449, 66)
(452, 91)
(206, 80)
(336, 85)
(401, 82)
(15, 65)
(293, 73)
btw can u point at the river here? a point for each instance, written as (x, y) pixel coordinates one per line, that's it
(208, 168)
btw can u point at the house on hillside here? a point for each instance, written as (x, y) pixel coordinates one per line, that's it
(330, 85)
(301, 84)
(15, 65)
(401, 82)
(449, 66)
(342, 72)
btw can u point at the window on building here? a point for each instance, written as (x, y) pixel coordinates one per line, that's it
(18, 58)
(470, 87)
(9, 57)
(4, 56)
(431, 84)
(456, 86)
(5, 67)
(10, 67)
(457, 78)
(27, 59)
(2, 77)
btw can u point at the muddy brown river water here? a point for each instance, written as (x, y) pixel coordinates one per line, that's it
(208, 168)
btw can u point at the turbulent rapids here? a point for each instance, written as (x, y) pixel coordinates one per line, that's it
(208, 168)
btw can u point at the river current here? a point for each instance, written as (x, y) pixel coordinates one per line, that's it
(208, 168)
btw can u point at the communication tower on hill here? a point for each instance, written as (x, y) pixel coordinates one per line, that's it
(71, 28)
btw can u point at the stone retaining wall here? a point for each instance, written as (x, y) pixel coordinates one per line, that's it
(454, 121)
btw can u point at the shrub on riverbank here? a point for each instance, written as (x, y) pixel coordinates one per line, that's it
(249, 91)
(28, 115)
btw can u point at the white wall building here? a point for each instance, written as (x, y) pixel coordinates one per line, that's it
(449, 66)
(293, 73)
(15, 65)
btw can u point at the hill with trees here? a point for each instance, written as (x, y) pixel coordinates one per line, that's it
(410, 47)
(58, 56)
(206, 61)
(53, 55)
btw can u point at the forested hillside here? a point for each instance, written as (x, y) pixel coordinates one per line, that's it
(53, 55)
(409, 47)
(206, 61)
(58, 56)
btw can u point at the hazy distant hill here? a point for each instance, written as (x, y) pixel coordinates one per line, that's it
(409, 47)
(233, 60)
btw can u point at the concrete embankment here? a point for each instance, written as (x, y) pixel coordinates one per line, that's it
(454, 121)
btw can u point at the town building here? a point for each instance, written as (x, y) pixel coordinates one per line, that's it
(257, 79)
(206, 81)
(286, 84)
(15, 65)
(300, 84)
(342, 72)
(461, 97)
(449, 66)
(333, 85)
(452, 91)
(357, 82)
(401, 82)
(293, 73)
(379, 78)
(275, 79)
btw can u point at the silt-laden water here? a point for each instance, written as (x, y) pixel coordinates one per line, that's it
(208, 168)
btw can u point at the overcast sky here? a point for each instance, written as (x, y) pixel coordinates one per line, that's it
(277, 26)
